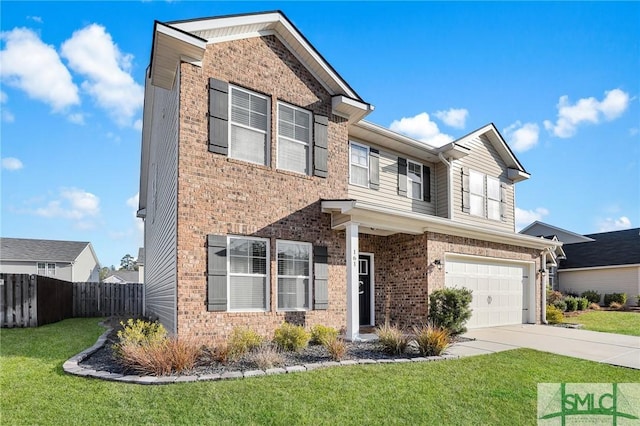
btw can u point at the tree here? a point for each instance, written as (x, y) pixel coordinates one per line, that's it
(127, 262)
(103, 273)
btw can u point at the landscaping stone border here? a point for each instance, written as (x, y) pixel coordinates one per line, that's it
(72, 366)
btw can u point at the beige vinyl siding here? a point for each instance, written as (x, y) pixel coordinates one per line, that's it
(387, 194)
(442, 192)
(623, 279)
(485, 159)
(86, 268)
(160, 223)
(63, 270)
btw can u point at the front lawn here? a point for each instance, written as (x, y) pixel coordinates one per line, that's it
(492, 389)
(608, 321)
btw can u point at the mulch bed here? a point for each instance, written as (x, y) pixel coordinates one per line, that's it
(104, 358)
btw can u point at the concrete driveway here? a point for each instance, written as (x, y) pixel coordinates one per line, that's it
(615, 349)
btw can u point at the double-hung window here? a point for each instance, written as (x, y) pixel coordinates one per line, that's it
(294, 139)
(476, 193)
(493, 198)
(294, 275)
(249, 126)
(46, 269)
(248, 274)
(358, 164)
(414, 180)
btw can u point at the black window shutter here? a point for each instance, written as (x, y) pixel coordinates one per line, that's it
(320, 278)
(503, 201)
(426, 184)
(374, 168)
(218, 116)
(402, 176)
(320, 144)
(465, 190)
(217, 273)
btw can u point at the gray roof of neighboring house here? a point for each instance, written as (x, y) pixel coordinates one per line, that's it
(608, 249)
(23, 249)
(126, 276)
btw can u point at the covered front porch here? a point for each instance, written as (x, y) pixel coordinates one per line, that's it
(394, 259)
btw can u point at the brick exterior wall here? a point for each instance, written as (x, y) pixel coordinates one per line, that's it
(219, 195)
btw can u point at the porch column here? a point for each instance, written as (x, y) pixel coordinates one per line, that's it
(353, 308)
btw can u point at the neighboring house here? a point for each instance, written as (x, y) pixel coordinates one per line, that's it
(140, 263)
(66, 260)
(122, 277)
(267, 198)
(607, 262)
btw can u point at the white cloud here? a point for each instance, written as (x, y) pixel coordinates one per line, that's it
(454, 117)
(611, 224)
(587, 110)
(133, 203)
(3, 97)
(72, 203)
(92, 53)
(37, 19)
(526, 217)
(11, 163)
(35, 67)
(138, 125)
(422, 128)
(522, 137)
(76, 118)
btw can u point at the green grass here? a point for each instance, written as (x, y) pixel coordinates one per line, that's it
(493, 389)
(609, 321)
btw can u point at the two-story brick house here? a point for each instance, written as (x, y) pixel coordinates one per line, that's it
(267, 198)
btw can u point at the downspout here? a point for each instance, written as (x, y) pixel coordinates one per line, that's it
(543, 294)
(449, 192)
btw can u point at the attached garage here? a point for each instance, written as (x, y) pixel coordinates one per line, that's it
(503, 292)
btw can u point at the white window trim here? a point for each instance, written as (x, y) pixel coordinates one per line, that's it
(351, 143)
(410, 181)
(267, 274)
(309, 277)
(46, 268)
(483, 194)
(487, 198)
(278, 136)
(266, 132)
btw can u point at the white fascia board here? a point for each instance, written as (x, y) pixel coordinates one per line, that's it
(351, 109)
(149, 92)
(593, 268)
(517, 175)
(342, 206)
(495, 137)
(227, 22)
(181, 35)
(398, 137)
(408, 222)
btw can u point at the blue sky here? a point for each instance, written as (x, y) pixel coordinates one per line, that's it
(559, 80)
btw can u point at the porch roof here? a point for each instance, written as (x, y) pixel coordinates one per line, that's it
(378, 220)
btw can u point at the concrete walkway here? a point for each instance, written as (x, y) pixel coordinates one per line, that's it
(615, 349)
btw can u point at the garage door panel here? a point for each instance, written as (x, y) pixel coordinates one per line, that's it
(497, 289)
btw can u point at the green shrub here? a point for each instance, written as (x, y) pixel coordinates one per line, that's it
(554, 296)
(592, 296)
(321, 333)
(336, 347)
(241, 341)
(140, 333)
(638, 300)
(572, 303)
(449, 308)
(620, 298)
(392, 338)
(583, 303)
(432, 340)
(554, 315)
(291, 337)
(561, 305)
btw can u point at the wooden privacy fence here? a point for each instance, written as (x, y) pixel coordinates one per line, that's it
(107, 299)
(34, 300)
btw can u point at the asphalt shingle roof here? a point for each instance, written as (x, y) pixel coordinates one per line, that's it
(608, 249)
(40, 250)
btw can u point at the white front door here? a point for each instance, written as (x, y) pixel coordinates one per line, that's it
(498, 289)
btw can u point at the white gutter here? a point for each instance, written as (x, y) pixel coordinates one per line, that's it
(449, 192)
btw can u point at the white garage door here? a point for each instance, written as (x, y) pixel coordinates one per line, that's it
(500, 290)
